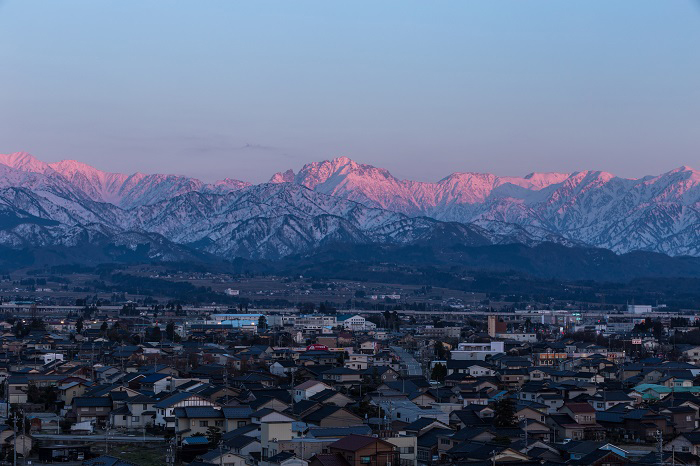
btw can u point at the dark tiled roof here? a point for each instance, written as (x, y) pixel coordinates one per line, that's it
(331, 460)
(354, 442)
(198, 412)
(92, 401)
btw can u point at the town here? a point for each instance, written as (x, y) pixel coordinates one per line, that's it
(199, 385)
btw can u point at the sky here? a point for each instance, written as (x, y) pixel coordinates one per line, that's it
(243, 89)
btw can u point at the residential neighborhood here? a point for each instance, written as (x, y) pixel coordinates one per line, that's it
(297, 389)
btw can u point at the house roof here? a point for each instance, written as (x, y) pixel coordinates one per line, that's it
(214, 454)
(355, 442)
(331, 460)
(240, 441)
(341, 371)
(329, 432)
(324, 395)
(420, 424)
(308, 384)
(237, 412)
(198, 440)
(92, 401)
(173, 399)
(198, 412)
(322, 413)
(579, 408)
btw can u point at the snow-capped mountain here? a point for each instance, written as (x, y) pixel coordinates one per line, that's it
(654, 213)
(116, 188)
(264, 221)
(69, 203)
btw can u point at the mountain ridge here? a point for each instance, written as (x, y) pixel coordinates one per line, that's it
(343, 200)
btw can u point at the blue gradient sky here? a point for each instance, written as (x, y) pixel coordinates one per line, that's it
(244, 89)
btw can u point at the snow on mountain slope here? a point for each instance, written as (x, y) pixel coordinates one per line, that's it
(274, 220)
(98, 185)
(264, 221)
(25, 162)
(657, 213)
(342, 200)
(86, 181)
(376, 187)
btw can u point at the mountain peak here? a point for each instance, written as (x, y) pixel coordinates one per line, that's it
(343, 160)
(286, 177)
(26, 162)
(71, 167)
(683, 169)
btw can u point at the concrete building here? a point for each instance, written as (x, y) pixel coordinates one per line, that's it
(477, 351)
(496, 325)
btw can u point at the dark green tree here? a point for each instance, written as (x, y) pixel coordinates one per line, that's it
(213, 435)
(79, 325)
(439, 350)
(439, 372)
(262, 323)
(156, 334)
(504, 413)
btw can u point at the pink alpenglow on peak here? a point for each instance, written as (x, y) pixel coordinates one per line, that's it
(286, 177)
(115, 188)
(24, 162)
(656, 213)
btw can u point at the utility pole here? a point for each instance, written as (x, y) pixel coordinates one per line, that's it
(24, 436)
(14, 427)
(524, 420)
(107, 438)
(221, 453)
(293, 390)
(170, 454)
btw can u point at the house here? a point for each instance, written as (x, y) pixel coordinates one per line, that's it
(327, 459)
(283, 368)
(44, 422)
(332, 416)
(68, 391)
(274, 426)
(243, 445)
(17, 386)
(306, 390)
(136, 413)
(603, 457)
(358, 361)
(468, 367)
(332, 397)
(603, 401)
(683, 418)
(693, 355)
(196, 420)
(342, 376)
(165, 408)
(428, 443)
(92, 408)
(407, 411)
(407, 445)
(355, 323)
(480, 453)
(223, 456)
(359, 450)
(688, 442)
(377, 374)
(286, 458)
